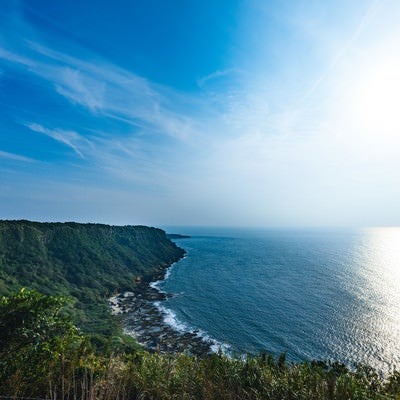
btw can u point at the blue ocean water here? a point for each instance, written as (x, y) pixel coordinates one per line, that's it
(314, 294)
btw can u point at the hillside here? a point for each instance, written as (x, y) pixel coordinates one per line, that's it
(87, 262)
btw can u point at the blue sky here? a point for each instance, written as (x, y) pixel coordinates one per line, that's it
(225, 113)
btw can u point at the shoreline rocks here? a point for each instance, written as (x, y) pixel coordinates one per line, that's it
(145, 321)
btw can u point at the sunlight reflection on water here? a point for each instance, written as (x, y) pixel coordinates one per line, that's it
(379, 268)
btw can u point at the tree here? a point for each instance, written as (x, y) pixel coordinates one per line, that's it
(33, 333)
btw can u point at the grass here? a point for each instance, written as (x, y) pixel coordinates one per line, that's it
(142, 375)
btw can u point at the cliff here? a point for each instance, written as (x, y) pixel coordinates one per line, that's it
(87, 262)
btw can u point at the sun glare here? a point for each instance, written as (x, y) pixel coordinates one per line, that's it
(383, 265)
(374, 100)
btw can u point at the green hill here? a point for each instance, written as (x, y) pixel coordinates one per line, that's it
(87, 262)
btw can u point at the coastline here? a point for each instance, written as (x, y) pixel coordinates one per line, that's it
(147, 320)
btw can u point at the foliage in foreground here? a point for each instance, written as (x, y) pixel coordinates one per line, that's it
(43, 355)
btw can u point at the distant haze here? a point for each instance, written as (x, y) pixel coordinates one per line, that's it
(224, 113)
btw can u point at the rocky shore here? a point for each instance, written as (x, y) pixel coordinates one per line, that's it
(146, 322)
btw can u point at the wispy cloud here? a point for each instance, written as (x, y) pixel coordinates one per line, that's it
(70, 138)
(366, 19)
(125, 160)
(106, 89)
(81, 89)
(15, 58)
(215, 75)
(16, 157)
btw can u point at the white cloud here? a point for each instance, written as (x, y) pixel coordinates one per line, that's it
(16, 157)
(81, 89)
(345, 49)
(15, 58)
(70, 138)
(215, 75)
(106, 89)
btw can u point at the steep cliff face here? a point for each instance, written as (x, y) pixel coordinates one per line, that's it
(87, 262)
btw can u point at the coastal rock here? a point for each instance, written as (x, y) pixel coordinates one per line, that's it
(146, 322)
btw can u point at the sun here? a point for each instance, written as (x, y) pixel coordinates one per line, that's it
(374, 100)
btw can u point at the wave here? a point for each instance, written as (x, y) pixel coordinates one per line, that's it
(155, 284)
(171, 319)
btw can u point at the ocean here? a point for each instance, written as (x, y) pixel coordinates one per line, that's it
(312, 293)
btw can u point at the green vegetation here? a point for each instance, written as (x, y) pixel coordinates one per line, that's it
(43, 355)
(84, 262)
(33, 332)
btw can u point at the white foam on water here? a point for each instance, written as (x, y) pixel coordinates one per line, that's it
(171, 319)
(156, 284)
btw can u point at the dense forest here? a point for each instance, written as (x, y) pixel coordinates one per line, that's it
(47, 331)
(84, 262)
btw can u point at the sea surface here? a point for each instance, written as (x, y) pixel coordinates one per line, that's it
(314, 294)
